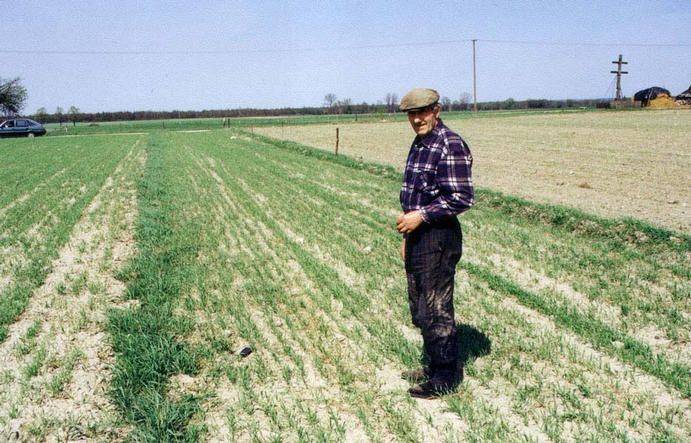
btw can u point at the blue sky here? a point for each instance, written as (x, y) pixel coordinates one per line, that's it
(165, 55)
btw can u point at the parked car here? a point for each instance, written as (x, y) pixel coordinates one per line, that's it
(21, 127)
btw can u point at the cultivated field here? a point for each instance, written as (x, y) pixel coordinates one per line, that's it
(135, 268)
(616, 164)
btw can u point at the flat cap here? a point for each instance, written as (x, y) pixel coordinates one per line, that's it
(418, 98)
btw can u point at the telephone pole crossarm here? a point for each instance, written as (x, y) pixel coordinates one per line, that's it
(619, 73)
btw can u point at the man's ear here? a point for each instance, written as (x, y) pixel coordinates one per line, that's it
(437, 110)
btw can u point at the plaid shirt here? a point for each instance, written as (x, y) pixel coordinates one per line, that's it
(437, 178)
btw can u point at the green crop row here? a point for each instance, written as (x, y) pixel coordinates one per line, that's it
(293, 252)
(46, 187)
(146, 337)
(611, 261)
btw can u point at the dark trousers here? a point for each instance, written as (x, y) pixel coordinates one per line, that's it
(431, 254)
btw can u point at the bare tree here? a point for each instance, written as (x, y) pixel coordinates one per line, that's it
(445, 103)
(344, 106)
(74, 114)
(330, 99)
(465, 101)
(391, 100)
(12, 96)
(41, 114)
(58, 114)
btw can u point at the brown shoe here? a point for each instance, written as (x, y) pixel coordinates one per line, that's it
(431, 390)
(428, 390)
(417, 375)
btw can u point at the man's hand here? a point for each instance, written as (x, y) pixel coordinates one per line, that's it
(409, 222)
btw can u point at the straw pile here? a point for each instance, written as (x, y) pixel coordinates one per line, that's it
(662, 101)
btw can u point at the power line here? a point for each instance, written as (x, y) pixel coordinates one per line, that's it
(622, 44)
(231, 51)
(329, 48)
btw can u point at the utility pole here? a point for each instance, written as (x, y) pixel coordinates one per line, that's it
(474, 81)
(619, 73)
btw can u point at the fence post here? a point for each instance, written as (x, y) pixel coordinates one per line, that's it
(336, 141)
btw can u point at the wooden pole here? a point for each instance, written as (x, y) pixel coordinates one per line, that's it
(619, 72)
(336, 141)
(474, 80)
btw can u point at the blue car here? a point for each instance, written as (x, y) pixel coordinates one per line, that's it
(21, 127)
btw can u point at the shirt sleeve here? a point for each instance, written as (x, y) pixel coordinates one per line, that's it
(455, 181)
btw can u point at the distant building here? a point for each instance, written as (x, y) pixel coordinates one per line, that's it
(684, 98)
(645, 96)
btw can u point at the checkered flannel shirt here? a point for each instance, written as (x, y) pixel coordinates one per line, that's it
(437, 178)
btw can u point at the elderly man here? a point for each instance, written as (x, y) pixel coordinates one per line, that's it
(437, 185)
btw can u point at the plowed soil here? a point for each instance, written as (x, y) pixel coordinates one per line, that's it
(623, 164)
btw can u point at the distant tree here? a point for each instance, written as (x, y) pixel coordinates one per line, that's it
(391, 100)
(344, 106)
(445, 103)
(41, 114)
(329, 100)
(537, 103)
(509, 103)
(74, 114)
(465, 100)
(58, 114)
(12, 96)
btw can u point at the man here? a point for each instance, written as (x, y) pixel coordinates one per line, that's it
(437, 185)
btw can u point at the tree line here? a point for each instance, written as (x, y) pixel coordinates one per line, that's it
(13, 97)
(344, 106)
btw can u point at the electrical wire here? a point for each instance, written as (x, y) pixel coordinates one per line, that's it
(621, 44)
(328, 48)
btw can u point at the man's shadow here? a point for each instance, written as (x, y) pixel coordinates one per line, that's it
(472, 343)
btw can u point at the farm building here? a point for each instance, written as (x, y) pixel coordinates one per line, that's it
(655, 97)
(684, 98)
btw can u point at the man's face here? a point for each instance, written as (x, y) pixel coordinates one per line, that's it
(424, 120)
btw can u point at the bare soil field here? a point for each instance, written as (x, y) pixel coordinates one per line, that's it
(623, 164)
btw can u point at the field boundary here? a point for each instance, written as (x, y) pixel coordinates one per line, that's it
(624, 230)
